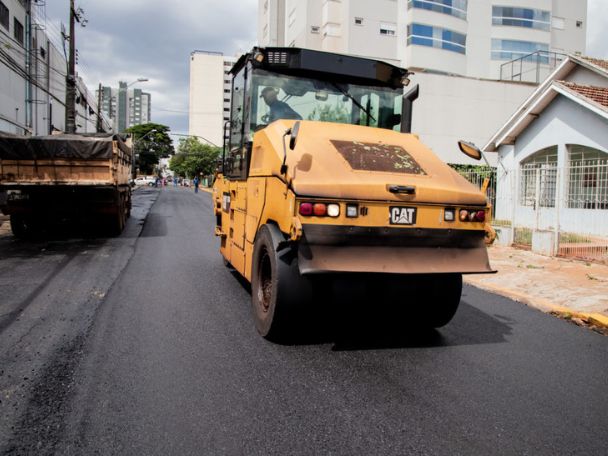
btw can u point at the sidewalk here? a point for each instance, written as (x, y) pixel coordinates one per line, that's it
(570, 289)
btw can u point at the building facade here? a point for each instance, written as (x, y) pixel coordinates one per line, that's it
(33, 76)
(125, 107)
(463, 37)
(210, 95)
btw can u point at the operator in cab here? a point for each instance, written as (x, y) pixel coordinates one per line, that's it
(278, 109)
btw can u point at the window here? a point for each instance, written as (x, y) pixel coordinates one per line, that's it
(457, 8)
(587, 178)
(388, 29)
(358, 21)
(226, 100)
(579, 24)
(226, 90)
(4, 16)
(538, 179)
(314, 99)
(18, 31)
(521, 17)
(314, 29)
(512, 49)
(558, 23)
(427, 35)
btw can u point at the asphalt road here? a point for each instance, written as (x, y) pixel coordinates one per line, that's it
(145, 344)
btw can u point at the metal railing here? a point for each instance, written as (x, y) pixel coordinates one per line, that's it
(534, 67)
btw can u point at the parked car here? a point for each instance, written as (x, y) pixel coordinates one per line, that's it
(145, 180)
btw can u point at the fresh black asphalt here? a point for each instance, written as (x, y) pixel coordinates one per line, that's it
(145, 344)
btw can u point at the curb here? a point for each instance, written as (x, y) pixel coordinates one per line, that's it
(543, 304)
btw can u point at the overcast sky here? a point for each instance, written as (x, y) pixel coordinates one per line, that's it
(128, 39)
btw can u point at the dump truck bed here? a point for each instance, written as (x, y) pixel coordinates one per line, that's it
(64, 160)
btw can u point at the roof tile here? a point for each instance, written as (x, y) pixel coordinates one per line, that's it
(603, 64)
(596, 94)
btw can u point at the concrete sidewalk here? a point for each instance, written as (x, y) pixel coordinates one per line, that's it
(572, 289)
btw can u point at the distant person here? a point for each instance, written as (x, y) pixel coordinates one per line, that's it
(174, 181)
(278, 109)
(195, 183)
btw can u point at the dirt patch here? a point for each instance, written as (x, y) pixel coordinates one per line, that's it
(377, 157)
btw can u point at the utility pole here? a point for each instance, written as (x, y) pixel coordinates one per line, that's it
(70, 93)
(99, 122)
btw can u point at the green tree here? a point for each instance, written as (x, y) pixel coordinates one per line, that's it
(328, 113)
(194, 158)
(151, 146)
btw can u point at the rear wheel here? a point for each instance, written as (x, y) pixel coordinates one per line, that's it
(117, 221)
(279, 294)
(22, 226)
(439, 300)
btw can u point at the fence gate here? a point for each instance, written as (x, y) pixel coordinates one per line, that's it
(538, 190)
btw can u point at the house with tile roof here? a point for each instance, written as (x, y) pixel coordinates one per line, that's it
(552, 174)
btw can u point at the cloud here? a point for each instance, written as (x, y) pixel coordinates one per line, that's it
(125, 40)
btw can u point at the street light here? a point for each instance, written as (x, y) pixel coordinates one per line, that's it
(136, 81)
(195, 136)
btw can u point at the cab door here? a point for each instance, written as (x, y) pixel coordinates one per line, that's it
(236, 167)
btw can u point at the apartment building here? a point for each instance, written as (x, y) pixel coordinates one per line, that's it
(462, 37)
(33, 75)
(471, 57)
(357, 27)
(125, 106)
(210, 86)
(477, 37)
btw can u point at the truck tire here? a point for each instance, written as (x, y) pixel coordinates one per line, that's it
(22, 226)
(279, 294)
(439, 300)
(116, 222)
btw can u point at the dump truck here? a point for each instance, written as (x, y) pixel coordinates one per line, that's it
(64, 178)
(321, 179)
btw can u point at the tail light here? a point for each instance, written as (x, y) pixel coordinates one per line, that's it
(471, 215)
(306, 209)
(319, 209)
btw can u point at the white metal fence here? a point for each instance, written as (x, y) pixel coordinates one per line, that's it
(566, 209)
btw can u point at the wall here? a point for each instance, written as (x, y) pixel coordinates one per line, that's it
(454, 108)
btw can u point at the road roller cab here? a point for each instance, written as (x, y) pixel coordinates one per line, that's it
(320, 176)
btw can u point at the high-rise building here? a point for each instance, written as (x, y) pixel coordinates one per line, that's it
(475, 60)
(462, 37)
(126, 107)
(210, 85)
